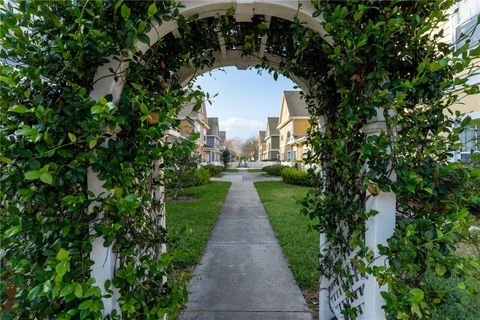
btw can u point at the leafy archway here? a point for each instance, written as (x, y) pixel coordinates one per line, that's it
(383, 61)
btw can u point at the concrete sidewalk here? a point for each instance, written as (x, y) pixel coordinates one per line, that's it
(243, 274)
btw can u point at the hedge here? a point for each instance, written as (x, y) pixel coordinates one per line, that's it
(298, 177)
(214, 169)
(187, 178)
(274, 170)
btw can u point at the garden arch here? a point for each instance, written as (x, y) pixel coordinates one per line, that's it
(332, 296)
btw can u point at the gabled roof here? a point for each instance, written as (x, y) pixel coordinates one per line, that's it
(213, 127)
(188, 112)
(261, 136)
(272, 123)
(296, 105)
(222, 135)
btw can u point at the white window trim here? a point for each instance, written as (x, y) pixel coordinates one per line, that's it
(474, 115)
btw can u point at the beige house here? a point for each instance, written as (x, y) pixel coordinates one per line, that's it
(191, 122)
(293, 126)
(463, 21)
(262, 146)
(272, 142)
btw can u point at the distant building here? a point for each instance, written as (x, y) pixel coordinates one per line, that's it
(262, 146)
(293, 126)
(272, 139)
(463, 21)
(193, 122)
(212, 150)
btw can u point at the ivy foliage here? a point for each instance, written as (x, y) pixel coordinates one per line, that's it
(381, 55)
(53, 134)
(391, 62)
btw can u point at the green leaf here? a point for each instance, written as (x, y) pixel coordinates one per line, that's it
(32, 175)
(62, 254)
(62, 268)
(78, 292)
(435, 66)
(35, 292)
(46, 178)
(416, 295)
(416, 310)
(67, 290)
(440, 269)
(125, 11)
(72, 137)
(476, 51)
(85, 305)
(144, 109)
(152, 9)
(92, 143)
(144, 38)
(6, 160)
(12, 231)
(97, 109)
(118, 4)
(358, 15)
(461, 285)
(328, 26)
(19, 108)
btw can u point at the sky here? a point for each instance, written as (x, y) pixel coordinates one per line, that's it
(245, 99)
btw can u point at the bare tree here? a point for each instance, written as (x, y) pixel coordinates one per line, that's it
(250, 148)
(234, 145)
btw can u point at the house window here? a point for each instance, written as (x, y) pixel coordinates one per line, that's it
(289, 155)
(464, 23)
(470, 139)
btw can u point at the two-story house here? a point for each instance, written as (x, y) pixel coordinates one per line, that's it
(262, 147)
(272, 139)
(212, 150)
(293, 126)
(194, 121)
(463, 21)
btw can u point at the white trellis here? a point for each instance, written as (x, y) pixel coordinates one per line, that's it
(379, 228)
(365, 289)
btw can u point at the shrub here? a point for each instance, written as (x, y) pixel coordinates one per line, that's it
(187, 178)
(213, 169)
(298, 177)
(274, 170)
(201, 177)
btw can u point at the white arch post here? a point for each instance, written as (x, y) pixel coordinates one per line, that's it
(106, 83)
(379, 228)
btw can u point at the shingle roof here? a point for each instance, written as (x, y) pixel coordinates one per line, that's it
(261, 136)
(272, 123)
(213, 124)
(297, 107)
(187, 111)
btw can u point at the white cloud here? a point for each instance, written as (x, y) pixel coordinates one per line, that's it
(241, 127)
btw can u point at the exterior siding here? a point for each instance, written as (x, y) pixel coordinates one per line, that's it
(300, 127)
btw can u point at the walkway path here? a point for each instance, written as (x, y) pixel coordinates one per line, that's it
(243, 274)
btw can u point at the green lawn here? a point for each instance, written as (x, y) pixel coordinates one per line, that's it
(190, 222)
(231, 170)
(299, 241)
(254, 170)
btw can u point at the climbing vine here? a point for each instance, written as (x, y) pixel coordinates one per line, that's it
(385, 55)
(53, 135)
(392, 58)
